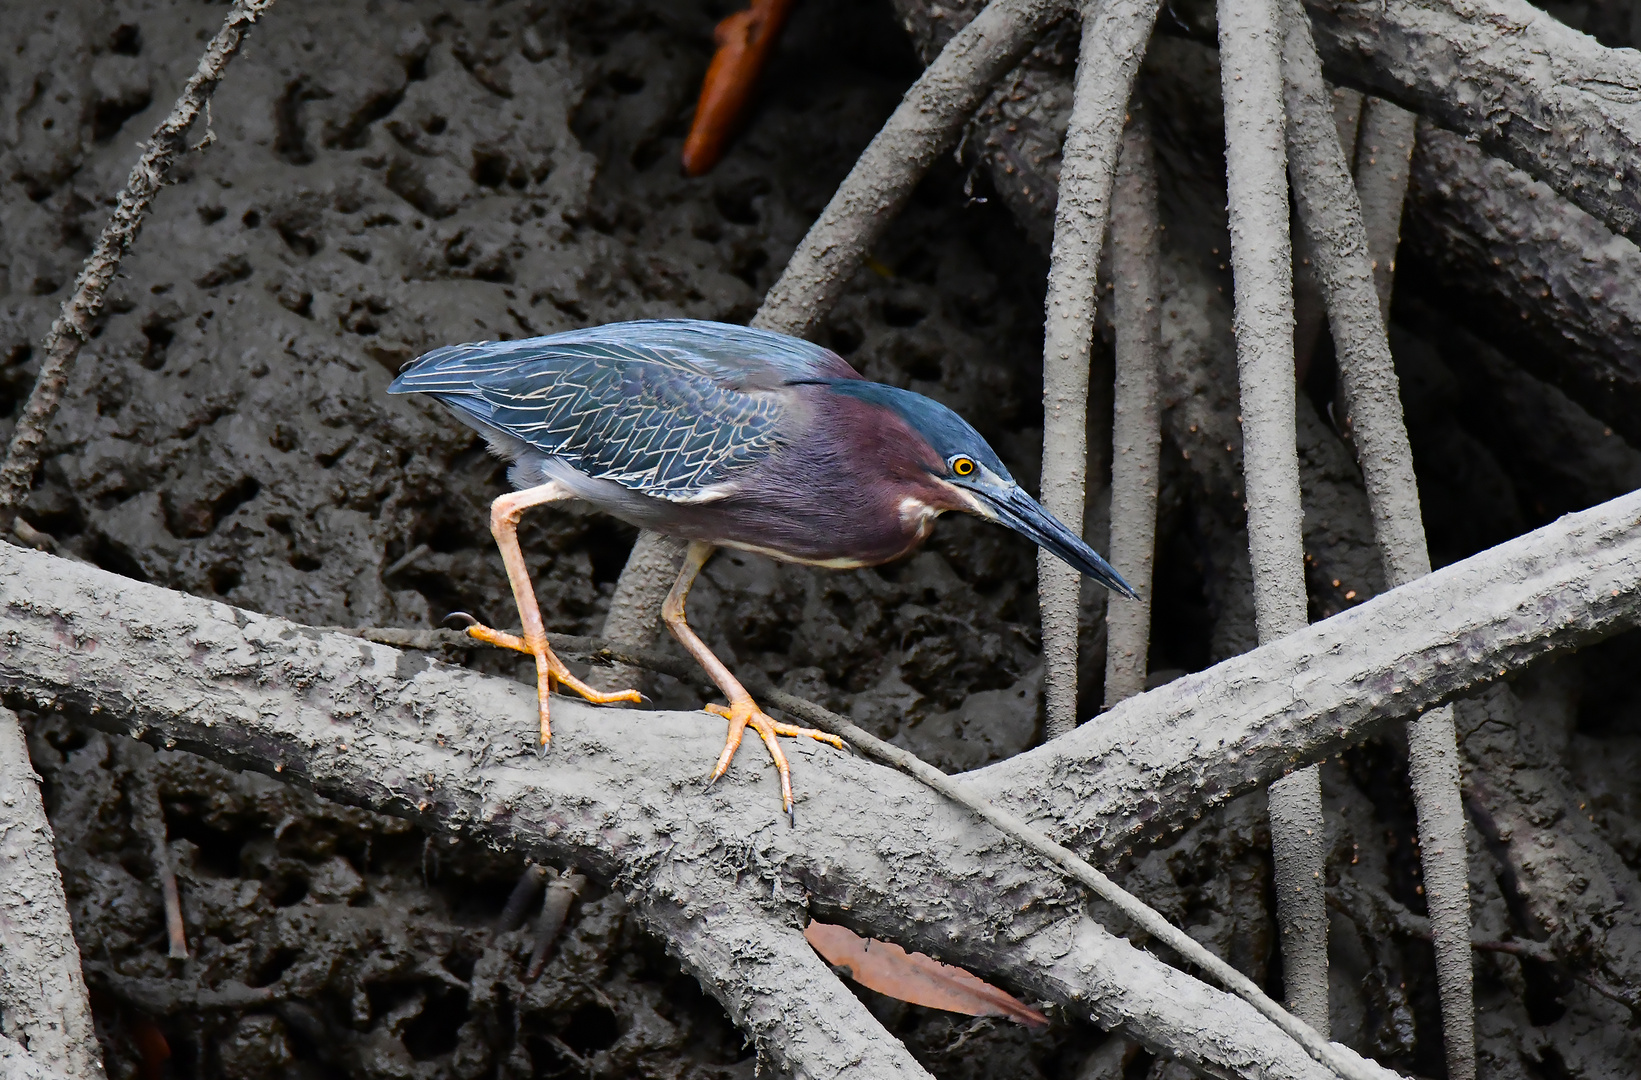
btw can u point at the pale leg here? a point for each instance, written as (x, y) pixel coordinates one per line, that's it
(742, 710)
(504, 519)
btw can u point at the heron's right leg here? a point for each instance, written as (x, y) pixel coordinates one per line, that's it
(504, 519)
(742, 710)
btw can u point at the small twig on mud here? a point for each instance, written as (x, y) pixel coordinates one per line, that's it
(1115, 34)
(42, 991)
(148, 821)
(562, 890)
(406, 561)
(1250, 49)
(1343, 232)
(1136, 426)
(522, 896)
(73, 325)
(168, 997)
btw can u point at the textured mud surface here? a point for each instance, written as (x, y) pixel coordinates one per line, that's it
(389, 178)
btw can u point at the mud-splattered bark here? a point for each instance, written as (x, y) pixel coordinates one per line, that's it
(451, 749)
(1136, 431)
(1250, 48)
(1353, 265)
(42, 993)
(1561, 870)
(1532, 90)
(1569, 288)
(1113, 43)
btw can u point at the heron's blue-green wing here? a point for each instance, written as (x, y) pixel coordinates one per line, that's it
(674, 409)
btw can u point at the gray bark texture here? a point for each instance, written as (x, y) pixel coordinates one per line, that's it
(1114, 36)
(635, 609)
(43, 1006)
(16, 1063)
(1261, 257)
(1571, 882)
(73, 327)
(1342, 245)
(1136, 426)
(1571, 287)
(1529, 88)
(1250, 48)
(451, 748)
(1335, 219)
(1384, 147)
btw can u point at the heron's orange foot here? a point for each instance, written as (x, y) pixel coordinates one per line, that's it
(549, 670)
(745, 712)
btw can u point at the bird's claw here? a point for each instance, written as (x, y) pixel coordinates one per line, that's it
(745, 712)
(550, 671)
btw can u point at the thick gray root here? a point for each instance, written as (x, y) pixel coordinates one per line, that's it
(925, 125)
(1570, 288)
(798, 1014)
(1250, 47)
(1300, 843)
(1136, 418)
(619, 795)
(1346, 236)
(635, 609)
(1531, 89)
(1433, 770)
(1384, 150)
(42, 993)
(1566, 875)
(1113, 44)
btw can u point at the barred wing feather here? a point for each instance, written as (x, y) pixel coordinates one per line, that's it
(674, 409)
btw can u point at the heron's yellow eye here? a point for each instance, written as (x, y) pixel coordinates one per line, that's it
(962, 466)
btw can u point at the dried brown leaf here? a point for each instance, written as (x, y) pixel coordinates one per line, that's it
(914, 977)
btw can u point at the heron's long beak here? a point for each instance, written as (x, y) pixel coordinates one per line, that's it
(1021, 513)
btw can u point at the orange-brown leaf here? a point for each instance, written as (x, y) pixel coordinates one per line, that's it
(745, 41)
(921, 980)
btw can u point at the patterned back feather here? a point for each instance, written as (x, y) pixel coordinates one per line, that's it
(675, 409)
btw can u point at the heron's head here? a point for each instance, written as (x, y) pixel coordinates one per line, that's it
(978, 481)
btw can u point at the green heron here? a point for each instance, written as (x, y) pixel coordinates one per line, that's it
(723, 436)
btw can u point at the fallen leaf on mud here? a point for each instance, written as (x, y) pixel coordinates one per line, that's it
(889, 969)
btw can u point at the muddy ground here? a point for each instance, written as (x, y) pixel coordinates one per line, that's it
(391, 176)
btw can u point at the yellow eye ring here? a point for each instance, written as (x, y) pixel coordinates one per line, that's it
(962, 466)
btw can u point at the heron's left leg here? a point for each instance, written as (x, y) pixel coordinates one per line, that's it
(742, 710)
(504, 519)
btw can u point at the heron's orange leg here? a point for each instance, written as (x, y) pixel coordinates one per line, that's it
(741, 710)
(504, 519)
